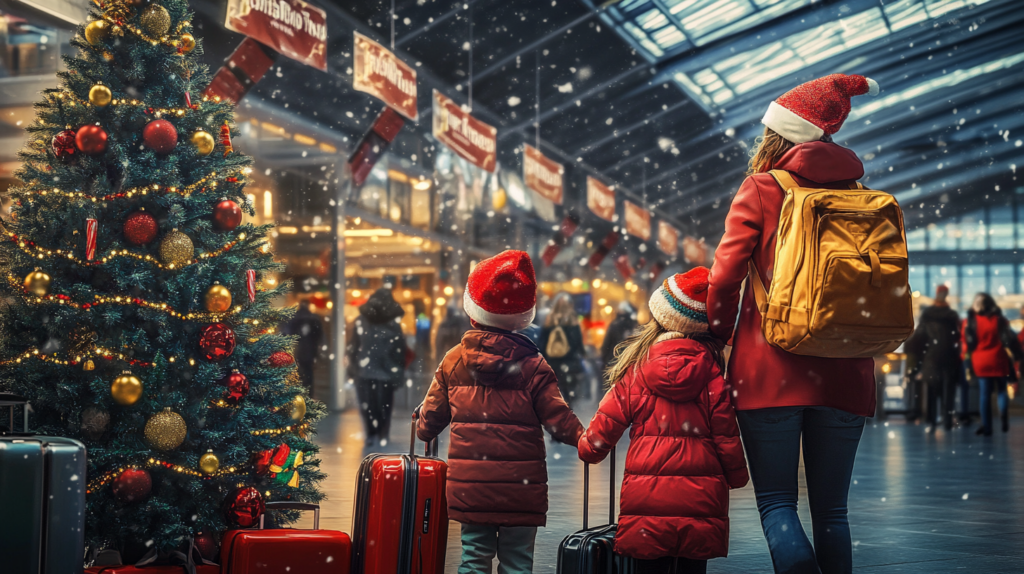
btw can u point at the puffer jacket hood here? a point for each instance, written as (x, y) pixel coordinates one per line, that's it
(381, 307)
(495, 357)
(682, 380)
(499, 396)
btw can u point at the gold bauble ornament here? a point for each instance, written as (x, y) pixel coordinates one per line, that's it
(188, 42)
(298, 408)
(204, 142)
(176, 249)
(97, 31)
(89, 365)
(100, 96)
(500, 199)
(38, 283)
(126, 389)
(209, 463)
(165, 430)
(217, 299)
(155, 20)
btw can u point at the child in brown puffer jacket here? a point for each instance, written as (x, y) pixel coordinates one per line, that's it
(498, 394)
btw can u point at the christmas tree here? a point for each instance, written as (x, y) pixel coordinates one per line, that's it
(135, 318)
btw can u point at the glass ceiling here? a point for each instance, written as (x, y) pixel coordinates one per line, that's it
(662, 28)
(666, 27)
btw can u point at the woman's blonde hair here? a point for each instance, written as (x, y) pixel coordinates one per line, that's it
(768, 150)
(563, 312)
(634, 351)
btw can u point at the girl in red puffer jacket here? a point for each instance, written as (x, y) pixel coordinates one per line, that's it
(684, 452)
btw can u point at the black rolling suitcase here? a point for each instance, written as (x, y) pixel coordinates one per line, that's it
(42, 500)
(591, 550)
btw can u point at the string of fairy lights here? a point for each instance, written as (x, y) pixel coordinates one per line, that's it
(43, 253)
(199, 186)
(162, 40)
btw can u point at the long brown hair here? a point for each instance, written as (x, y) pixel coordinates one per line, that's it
(563, 312)
(768, 149)
(634, 351)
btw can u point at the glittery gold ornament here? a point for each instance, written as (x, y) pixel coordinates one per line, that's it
(100, 96)
(38, 283)
(209, 463)
(204, 142)
(126, 389)
(108, 56)
(155, 20)
(97, 31)
(298, 408)
(165, 430)
(188, 42)
(500, 199)
(218, 298)
(88, 365)
(176, 249)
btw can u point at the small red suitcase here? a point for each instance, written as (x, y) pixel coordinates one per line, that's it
(402, 494)
(280, 551)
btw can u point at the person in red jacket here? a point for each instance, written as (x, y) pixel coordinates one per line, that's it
(684, 451)
(987, 337)
(499, 395)
(780, 397)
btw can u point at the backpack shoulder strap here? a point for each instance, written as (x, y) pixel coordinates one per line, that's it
(784, 178)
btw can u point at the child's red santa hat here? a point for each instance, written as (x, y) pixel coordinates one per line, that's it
(817, 108)
(502, 291)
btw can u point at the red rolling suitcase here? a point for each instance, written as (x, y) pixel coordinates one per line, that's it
(286, 550)
(403, 495)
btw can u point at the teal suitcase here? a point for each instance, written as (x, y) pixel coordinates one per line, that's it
(42, 500)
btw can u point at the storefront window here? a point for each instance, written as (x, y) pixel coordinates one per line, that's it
(973, 281)
(1000, 228)
(972, 230)
(1000, 280)
(942, 236)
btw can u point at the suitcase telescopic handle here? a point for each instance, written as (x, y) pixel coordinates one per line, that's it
(11, 400)
(305, 506)
(431, 447)
(611, 494)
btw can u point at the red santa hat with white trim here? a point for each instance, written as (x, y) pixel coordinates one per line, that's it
(817, 108)
(502, 291)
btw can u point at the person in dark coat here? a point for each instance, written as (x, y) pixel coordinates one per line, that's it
(308, 327)
(561, 341)
(499, 396)
(376, 354)
(935, 350)
(620, 329)
(450, 331)
(991, 346)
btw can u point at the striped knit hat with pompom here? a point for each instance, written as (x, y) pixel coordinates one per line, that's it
(680, 304)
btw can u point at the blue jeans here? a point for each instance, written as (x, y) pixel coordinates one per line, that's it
(771, 438)
(513, 545)
(986, 385)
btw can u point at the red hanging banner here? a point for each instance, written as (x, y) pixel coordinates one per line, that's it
(638, 221)
(381, 74)
(668, 239)
(294, 28)
(625, 269)
(560, 239)
(694, 250)
(542, 174)
(473, 140)
(600, 199)
(603, 249)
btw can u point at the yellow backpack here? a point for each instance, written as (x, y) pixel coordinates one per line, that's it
(840, 286)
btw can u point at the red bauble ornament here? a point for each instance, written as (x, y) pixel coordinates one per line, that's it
(207, 544)
(217, 341)
(243, 507)
(133, 485)
(140, 228)
(227, 215)
(64, 144)
(91, 140)
(237, 387)
(160, 136)
(281, 359)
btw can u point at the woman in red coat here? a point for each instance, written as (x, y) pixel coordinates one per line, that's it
(987, 337)
(684, 451)
(785, 400)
